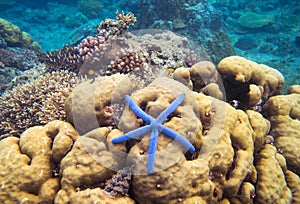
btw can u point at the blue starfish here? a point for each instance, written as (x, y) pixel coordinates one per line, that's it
(155, 126)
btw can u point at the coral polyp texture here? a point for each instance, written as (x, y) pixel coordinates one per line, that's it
(155, 126)
(284, 115)
(34, 158)
(66, 58)
(257, 82)
(35, 103)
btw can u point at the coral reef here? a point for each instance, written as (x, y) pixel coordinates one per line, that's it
(241, 156)
(283, 113)
(35, 103)
(269, 168)
(14, 37)
(87, 167)
(257, 82)
(66, 58)
(90, 105)
(206, 27)
(109, 28)
(90, 8)
(150, 53)
(16, 64)
(254, 20)
(28, 164)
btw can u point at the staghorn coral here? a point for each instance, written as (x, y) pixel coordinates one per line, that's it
(283, 113)
(66, 58)
(28, 163)
(35, 103)
(255, 82)
(14, 37)
(110, 28)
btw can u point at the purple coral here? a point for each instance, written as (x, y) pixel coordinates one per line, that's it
(120, 183)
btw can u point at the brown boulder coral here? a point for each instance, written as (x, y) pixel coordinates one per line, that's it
(284, 114)
(271, 186)
(222, 136)
(29, 163)
(14, 37)
(88, 165)
(248, 82)
(91, 104)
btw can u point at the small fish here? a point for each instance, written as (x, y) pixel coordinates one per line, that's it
(38, 38)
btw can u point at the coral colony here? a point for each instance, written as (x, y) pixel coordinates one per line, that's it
(155, 126)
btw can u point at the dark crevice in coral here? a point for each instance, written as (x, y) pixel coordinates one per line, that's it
(236, 92)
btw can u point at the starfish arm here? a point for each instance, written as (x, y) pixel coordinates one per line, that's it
(152, 149)
(177, 137)
(172, 107)
(137, 110)
(132, 134)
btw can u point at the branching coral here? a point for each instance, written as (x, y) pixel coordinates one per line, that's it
(66, 58)
(35, 103)
(110, 28)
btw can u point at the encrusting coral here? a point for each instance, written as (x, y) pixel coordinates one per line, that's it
(35, 103)
(28, 164)
(215, 162)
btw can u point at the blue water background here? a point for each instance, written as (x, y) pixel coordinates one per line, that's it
(55, 23)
